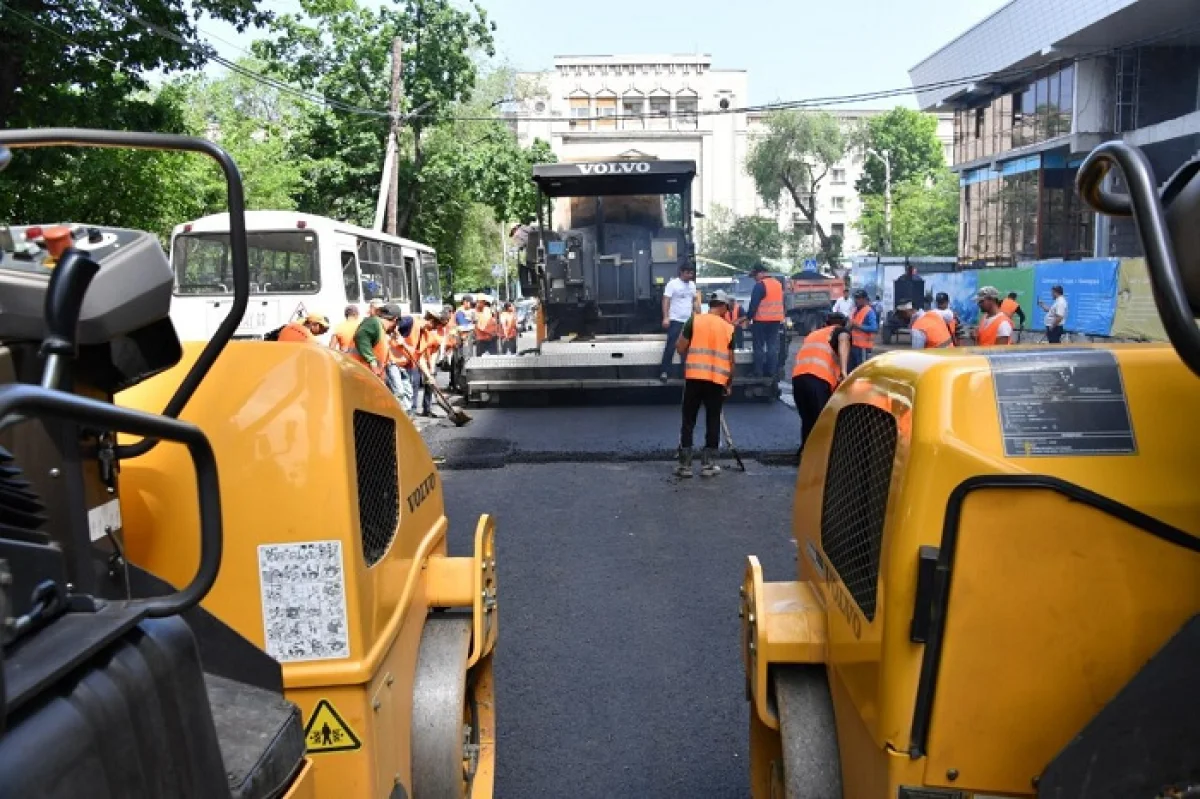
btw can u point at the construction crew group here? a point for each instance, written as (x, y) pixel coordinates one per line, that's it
(706, 342)
(404, 351)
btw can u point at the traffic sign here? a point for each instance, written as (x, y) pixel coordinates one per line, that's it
(810, 264)
(497, 271)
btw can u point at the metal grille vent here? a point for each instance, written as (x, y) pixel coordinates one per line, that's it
(378, 483)
(856, 493)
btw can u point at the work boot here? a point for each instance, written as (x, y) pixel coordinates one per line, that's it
(708, 463)
(684, 469)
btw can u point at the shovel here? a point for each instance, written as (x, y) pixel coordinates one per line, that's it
(459, 418)
(729, 440)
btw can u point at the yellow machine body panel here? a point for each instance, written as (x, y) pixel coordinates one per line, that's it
(1064, 581)
(299, 433)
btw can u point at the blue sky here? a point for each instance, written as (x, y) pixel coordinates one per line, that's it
(792, 49)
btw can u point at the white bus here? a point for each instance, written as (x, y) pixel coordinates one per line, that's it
(299, 264)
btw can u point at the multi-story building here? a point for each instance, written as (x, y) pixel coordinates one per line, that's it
(666, 106)
(1050, 81)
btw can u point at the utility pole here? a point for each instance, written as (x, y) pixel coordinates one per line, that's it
(886, 158)
(394, 133)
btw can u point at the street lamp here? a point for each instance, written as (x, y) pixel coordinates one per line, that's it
(886, 158)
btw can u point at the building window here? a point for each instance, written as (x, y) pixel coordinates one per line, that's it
(686, 110)
(838, 229)
(606, 113)
(837, 203)
(660, 113)
(979, 113)
(838, 177)
(580, 111)
(803, 230)
(633, 109)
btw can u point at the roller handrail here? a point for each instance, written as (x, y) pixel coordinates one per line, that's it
(1143, 204)
(239, 254)
(31, 400)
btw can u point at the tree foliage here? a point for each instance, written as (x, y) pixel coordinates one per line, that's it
(794, 156)
(924, 217)
(910, 140)
(741, 241)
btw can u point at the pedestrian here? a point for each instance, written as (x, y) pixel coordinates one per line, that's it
(508, 330)
(680, 301)
(927, 329)
(844, 306)
(863, 325)
(306, 331)
(766, 314)
(706, 345)
(487, 330)
(1056, 315)
(429, 350)
(465, 316)
(995, 328)
(734, 316)
(1011, 308)
(942, 302)
(371, 344)
(877, 306)
(821, 364)
(342, 339)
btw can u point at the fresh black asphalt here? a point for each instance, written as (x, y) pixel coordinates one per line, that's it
(618, 669)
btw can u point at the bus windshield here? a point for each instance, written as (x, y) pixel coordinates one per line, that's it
(431, 290)
(281, 262)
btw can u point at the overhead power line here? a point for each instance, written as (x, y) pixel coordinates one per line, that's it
(208, 52)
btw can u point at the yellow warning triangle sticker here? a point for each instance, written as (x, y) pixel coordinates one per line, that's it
(326, 731)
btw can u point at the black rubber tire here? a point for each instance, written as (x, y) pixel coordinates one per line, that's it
(811, 765)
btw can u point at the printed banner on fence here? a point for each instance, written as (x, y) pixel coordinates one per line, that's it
(1091, 290)
(865, 278)
(961, 286)
(1019, 280)
(1136, 316)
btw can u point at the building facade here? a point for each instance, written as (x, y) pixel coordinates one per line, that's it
(678, 107)
(1060, 79)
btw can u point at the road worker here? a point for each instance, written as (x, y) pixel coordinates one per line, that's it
(995, 328)
(942, 303)
(342, 339)
(371, 343)
(487, 330)
(306, 331)
(765, 317)
(1010, 306)
(706, 346)
(822, 362)
(373, 306)
(863, 326)
(408, 344)
(508, 330)
(734, 316)
(928, 329)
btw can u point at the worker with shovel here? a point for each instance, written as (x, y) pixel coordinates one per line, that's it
(706, 346)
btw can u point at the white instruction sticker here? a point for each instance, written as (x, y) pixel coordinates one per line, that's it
(104, 518)
(304, 601)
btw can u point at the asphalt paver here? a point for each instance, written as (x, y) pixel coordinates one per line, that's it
(618, 668)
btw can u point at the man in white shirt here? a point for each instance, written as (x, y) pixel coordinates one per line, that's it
(844, 306)
(680, 300)
(1056, 315)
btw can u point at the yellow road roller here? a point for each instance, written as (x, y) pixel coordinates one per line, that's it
(223, 566)
(998, 562)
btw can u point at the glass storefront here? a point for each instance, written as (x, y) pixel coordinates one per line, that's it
(1036, 112)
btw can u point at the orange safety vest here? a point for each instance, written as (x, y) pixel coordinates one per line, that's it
(858, 338)
(734, 314)
(988, 329)
(508, 324)
(770, 308)
(342, 339)
(817, 357)
(415, 341)
(485, 325)
(1008, 307)
(294, 331)
(708, 354)
(937, 332)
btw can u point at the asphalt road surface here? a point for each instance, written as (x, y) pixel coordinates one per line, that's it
(618, 668)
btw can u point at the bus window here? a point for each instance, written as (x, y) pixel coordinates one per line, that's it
(281, 262)
(350, 277)
(410, 269)
(431, 289)
(397, 284)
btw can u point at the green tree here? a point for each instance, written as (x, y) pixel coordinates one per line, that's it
(343, 51)
(794, 156)
(924, 217)
(911, 142)
(741, 241)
